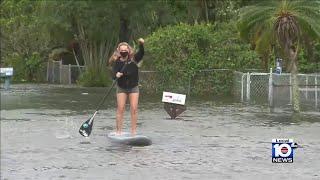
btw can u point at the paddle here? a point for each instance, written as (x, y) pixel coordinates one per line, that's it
(86, 127)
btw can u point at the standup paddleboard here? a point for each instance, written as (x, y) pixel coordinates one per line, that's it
(126, 138)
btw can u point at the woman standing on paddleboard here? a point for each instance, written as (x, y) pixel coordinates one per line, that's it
(127, 83)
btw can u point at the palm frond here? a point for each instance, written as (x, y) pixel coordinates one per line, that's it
(308, 16)
(304, 19)
(313, 4)
(263, 44)
(309, 26)
(252, 19)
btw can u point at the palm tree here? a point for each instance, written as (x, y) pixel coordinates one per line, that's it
(284, 24)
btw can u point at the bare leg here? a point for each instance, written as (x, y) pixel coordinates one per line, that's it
(134, 100)
(121, 101)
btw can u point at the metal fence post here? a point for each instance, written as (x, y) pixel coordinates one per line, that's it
(306, 90)
(189, 84)
(270, 94)
(69, 74)
(242, 93)
(60, 70)
(7, 82)
(290, 89)
(52, 71)
(316, 90)
(48, 71)
(248, 86)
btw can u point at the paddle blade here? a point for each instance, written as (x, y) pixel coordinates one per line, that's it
(86, 127)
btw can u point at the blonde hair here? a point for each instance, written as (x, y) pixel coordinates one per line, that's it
(116, 54)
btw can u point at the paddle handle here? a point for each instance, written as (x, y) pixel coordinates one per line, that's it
(107, 94)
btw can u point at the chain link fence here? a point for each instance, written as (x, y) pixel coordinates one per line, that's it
(276, 89)
(260, 88)
(154, 82)
(309, 90)
(203, 82)
(63, 74)
(239, 81)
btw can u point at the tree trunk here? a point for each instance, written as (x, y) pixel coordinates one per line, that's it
(295, 88)
(206, 11)
(124, 33)
(295, 82)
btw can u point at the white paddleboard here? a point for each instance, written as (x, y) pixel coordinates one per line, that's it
(128, 139)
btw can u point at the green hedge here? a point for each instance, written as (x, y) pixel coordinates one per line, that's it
(180, 51)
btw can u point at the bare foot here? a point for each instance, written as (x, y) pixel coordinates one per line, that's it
(133, 133)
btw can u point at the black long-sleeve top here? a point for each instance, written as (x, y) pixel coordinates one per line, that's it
(130, 76)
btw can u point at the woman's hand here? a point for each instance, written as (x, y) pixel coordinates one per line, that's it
(141, 41)
(119, 74)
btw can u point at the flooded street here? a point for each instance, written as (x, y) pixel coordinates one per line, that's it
(212, 139)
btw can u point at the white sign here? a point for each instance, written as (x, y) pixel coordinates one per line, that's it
(7, 71)
(173, 98)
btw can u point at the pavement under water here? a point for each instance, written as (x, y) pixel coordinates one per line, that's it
(212, 139)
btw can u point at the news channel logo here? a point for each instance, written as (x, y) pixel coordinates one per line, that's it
(282, 150)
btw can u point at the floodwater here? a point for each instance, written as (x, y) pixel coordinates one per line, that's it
(212, 139)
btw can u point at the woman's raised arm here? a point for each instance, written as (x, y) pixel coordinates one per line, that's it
(139, 55)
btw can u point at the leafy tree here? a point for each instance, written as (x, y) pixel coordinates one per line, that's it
(23, 38)
(97, 26)
(269, 24)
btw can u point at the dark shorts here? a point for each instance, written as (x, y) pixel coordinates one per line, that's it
(128, 90)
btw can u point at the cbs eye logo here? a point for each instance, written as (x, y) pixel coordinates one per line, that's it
(282, 151)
